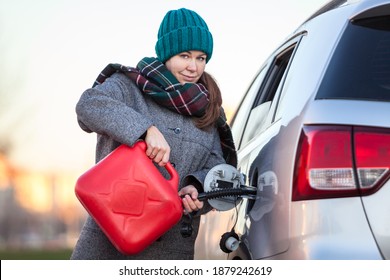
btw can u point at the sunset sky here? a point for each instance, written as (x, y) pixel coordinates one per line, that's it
(52, 50)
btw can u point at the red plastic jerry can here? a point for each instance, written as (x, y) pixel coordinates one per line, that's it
(130, 199)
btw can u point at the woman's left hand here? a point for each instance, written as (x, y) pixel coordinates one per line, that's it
(190, 200)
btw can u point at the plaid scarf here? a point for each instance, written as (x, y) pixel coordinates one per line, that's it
(154, 79)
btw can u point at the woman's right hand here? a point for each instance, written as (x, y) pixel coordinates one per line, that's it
(157, 147)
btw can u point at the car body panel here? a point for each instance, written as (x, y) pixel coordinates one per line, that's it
(377, 209)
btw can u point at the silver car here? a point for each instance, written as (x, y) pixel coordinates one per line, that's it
(313, 136)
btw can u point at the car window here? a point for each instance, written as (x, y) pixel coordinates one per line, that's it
(360, 67)
(259, 116)
(240, 117)
(282, 105)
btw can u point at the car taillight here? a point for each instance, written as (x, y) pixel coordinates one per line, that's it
(340, 161)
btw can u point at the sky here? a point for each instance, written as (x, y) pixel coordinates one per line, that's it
(52, 50)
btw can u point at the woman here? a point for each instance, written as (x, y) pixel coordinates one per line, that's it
(175, 106)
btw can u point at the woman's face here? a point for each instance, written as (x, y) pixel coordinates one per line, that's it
(187, 66)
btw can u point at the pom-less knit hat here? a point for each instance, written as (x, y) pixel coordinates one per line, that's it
(183, 30)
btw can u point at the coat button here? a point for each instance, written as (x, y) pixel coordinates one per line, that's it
(177, 130)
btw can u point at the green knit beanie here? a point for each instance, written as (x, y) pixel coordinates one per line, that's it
(183, 30)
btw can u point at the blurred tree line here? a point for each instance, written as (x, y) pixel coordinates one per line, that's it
(19, 227)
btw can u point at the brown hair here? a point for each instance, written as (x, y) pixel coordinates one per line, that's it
(213, 108)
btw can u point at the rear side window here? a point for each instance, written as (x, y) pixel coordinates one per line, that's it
(256, 111)
(240, 117)
(360, 67)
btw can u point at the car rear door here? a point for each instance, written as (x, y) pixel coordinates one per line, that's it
(263, 224)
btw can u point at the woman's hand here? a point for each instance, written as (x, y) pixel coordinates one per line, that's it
(190, 200)
(157, 147)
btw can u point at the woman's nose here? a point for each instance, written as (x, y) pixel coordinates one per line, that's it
(192, 65)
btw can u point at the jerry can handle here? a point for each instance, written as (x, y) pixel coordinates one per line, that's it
(174, 180)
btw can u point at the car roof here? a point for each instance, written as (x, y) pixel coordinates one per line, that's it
(358, 7)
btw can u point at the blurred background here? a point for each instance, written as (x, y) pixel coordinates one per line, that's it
(52, 50)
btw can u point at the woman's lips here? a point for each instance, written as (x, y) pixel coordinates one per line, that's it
(189, 79)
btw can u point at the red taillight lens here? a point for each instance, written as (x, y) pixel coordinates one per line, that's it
(326, 168)
(372, 151)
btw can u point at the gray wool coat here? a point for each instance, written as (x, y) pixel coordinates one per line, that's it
(119, 113)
